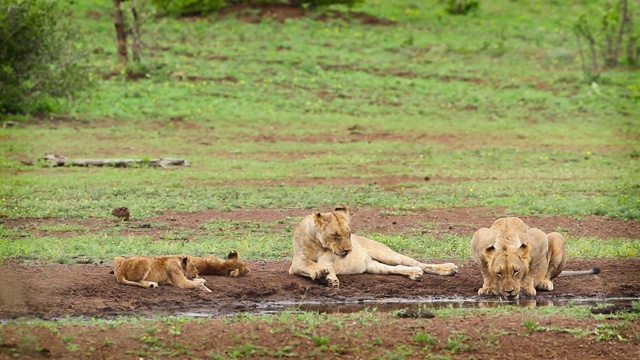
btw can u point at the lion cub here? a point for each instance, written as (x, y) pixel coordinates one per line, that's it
(148, 272)
(323, 247)
(213, 265)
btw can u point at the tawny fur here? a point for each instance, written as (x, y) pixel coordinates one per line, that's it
(324, 247)
(213, 265)
(515, 258)
(148, 272)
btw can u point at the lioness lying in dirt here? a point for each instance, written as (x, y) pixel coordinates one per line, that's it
(149, 272)
(323, 247)
(515, 257)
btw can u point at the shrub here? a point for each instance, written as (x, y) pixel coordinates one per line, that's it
(317, 3)
(188, 7)
(38, 60)
(608, 36)
(461, 7)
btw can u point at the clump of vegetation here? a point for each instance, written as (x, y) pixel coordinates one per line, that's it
(38, 59)
(461, 7)
(190, 7)
(611, 43)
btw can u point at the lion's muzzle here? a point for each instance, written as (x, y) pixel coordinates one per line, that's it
(343, 253)
(511, 294)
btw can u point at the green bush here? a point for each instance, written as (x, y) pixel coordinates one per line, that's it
(38, 60)
(316, 3)
(188, 7)
(461, 7)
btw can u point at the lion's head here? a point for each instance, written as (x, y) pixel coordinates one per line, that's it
(508, 267)
(233, 267)
(333, 230)
(188, 267)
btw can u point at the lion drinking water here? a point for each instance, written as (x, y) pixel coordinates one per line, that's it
(324, 247)
(514, 257)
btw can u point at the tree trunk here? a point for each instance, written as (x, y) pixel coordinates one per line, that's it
(121, 33)
(135, 29)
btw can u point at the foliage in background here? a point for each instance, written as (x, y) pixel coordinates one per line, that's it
(188, 7)
(613, 34)
(38, 56)
(192, 7)
(461, 7)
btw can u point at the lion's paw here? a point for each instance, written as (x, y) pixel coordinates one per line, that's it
(203, 288)
(545, 285)
(153, 284)
(529, 291)
(416, 274)
(487, 291)
(199, 281)
(449, 269)
(333, 282)
(321, 276)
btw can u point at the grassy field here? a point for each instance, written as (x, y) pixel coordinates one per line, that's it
(493, 107)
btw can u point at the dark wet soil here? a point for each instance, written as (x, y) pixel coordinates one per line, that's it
(53, 291)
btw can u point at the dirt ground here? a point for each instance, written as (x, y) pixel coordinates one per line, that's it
(89, 290)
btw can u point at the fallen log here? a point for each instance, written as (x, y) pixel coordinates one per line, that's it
(61, 160)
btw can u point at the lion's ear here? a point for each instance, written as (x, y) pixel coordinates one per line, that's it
(344, 212)
(185, 260)
(523, 250)
(232, 255)
(342, 208)
(489, 251)
(317, 217)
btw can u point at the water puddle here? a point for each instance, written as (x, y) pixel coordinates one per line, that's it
(390, 305)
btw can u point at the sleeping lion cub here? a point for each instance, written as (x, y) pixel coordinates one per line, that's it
(213, 265)
(149, 272)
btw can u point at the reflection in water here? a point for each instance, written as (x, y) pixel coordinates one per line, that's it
(391, 305)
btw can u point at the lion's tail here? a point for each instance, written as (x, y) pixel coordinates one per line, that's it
(595, 270)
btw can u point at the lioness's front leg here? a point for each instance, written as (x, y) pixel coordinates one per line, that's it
(413, 272)
(488, 286)
(447, 269)
(315, 271)
(527, 286)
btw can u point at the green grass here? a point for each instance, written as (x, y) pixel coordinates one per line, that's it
(493, 108)
(253, 240)
(318, 333)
